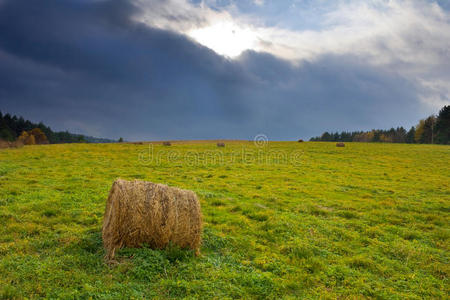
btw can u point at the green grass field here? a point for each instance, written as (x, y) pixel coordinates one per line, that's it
(290, 220)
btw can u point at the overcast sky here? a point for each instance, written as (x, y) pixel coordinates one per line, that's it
(180, 69)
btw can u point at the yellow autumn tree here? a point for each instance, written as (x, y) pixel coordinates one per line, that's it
(39, 136)
(33, 137)
(27, 138)
(419, 131)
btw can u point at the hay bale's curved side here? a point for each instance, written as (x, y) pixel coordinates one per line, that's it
(139, 212)
(340, 145)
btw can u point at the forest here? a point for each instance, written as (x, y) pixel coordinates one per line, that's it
(12, 127)
(432, 130)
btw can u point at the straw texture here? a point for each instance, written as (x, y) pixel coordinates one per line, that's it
(139, 212)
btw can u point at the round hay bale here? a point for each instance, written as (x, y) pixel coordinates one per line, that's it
(300, 141)
(139, 212)
(220, 144)
(167, 144)
(340, 145)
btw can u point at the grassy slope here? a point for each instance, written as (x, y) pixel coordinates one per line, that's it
(365, 220)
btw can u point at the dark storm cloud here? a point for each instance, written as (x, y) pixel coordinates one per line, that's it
(87, 66)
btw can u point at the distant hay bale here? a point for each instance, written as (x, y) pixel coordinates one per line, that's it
(300, 141)
(340, 145)
(139, 212)
(167, 144)
(220, 144)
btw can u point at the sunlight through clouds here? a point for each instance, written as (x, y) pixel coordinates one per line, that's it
(412, 37)
(225, 38)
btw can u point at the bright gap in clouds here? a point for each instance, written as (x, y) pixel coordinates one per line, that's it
(407, 37)
(225, 38)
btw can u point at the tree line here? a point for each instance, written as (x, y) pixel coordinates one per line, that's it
(432, 130)
(13, 127)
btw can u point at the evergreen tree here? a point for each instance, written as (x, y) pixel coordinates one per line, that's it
(410, 135)
(376, 136)
(442, 127)
(326, 137)
(428, 130)
(6, 135)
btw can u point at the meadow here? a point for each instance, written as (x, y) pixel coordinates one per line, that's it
(283, 220)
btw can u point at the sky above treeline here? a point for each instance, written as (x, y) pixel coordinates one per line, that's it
(214, 69)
